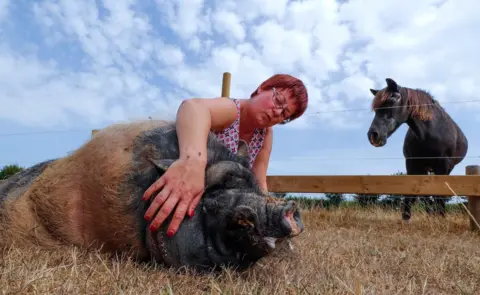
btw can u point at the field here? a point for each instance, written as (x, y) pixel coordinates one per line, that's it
(342, 251)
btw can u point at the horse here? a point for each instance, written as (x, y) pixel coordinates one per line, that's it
(433, 144)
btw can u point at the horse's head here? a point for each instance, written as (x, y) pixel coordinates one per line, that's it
(390, 112)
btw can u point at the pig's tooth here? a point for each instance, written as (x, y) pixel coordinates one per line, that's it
(270, 241)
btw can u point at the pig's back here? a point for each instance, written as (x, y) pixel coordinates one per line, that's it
(87, 198)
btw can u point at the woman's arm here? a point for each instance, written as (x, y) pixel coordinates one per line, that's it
(184, 182)
(195, 119)
(260, 165)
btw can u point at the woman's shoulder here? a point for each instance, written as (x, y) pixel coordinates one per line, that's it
(223, 111)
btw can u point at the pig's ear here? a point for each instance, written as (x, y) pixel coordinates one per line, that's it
(228, 175)
(162, 164)
(245, 216)
(242, 148)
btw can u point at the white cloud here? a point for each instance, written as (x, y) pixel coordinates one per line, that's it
(420, 43)
(229, 24)
(284, 49)
(4, 7)
(124, 64)
(252, 10)
(186, 18)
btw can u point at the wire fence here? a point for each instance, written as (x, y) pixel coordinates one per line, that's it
(294, 158)
(375, 158)
(307, 113)
(350, 196)
(391, 107)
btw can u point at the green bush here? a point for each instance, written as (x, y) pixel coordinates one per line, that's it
(9, 170)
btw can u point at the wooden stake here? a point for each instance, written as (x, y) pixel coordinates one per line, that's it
(227, 77)
(473, 203)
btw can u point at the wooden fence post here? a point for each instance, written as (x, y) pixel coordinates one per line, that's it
(227, 78)
(473, 202)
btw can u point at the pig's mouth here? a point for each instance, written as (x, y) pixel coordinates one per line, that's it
(291, 223)
(292, 220)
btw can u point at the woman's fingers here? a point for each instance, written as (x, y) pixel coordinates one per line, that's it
(157, 202)
(157, 185)
(180, 189)
(178, 217)
(194, 203)
(164, 212)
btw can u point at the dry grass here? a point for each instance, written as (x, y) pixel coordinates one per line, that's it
(347, 251)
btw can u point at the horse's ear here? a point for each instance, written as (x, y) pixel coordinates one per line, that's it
(392, 85)
(373, 91)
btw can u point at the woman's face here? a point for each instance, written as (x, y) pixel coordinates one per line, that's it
(272, 106)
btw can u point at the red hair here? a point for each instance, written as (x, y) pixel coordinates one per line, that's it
(293, 85)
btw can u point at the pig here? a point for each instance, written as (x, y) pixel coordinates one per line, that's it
(91, 198)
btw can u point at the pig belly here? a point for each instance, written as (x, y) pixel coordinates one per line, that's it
(64, 208)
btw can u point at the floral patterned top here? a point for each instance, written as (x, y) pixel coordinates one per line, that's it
(230, 137)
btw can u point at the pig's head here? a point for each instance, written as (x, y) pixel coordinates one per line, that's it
(234, 225)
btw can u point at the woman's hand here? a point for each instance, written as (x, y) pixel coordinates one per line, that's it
(183, 183)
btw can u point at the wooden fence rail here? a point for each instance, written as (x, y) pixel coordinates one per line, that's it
(462, 185)
(421, 185)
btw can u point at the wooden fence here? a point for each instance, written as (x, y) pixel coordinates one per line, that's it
(437, 185)
(422, 185)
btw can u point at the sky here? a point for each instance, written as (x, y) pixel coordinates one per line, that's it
(67, 67)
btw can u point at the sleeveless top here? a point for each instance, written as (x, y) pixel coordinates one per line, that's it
(230, 137)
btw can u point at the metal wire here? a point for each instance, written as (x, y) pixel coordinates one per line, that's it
(310, 113)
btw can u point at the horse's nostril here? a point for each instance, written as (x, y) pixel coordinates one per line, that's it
(373, 136)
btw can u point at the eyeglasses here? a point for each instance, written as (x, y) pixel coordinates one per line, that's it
(280, 102)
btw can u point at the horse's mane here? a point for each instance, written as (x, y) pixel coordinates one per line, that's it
(420, 102)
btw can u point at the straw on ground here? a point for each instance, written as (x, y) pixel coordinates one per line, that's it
(344, 251)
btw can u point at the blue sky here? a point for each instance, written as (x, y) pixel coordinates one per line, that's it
(75, 66)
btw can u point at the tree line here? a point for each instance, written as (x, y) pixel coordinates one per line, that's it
(9, 170)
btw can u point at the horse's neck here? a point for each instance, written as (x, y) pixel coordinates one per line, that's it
(419, 127)
(422, 128)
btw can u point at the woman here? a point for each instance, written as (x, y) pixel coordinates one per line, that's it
(278, 100)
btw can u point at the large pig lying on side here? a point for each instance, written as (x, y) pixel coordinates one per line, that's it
(92, 198)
